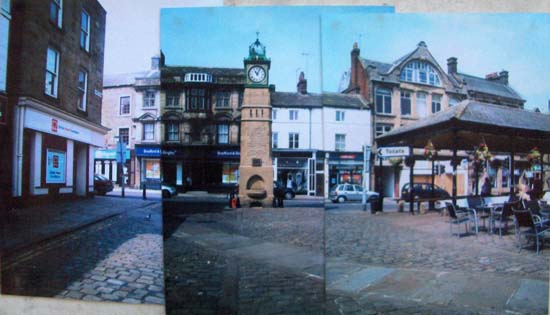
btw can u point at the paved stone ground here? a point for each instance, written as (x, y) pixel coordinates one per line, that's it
(119, 259)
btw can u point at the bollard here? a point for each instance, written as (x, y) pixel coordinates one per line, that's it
(144, 192)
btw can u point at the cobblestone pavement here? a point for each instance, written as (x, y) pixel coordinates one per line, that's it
(423, 242)
(119, 259)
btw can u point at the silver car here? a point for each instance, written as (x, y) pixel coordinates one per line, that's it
(350, 192)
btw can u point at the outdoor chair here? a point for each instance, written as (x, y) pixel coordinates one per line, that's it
(503, 215)
(529, 225)
(458, 218)
(534, 207)
(476, 203)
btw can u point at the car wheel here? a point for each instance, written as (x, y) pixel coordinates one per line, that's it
(288, 195)
(165, 194)
(341, 199)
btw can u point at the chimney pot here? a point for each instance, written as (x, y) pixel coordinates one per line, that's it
(452, 65)
(302, 84)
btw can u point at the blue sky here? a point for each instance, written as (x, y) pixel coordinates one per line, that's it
(220, 37)
(519, 43)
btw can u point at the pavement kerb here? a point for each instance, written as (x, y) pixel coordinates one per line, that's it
(46, 238)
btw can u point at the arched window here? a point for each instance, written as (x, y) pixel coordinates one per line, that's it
(420, 72)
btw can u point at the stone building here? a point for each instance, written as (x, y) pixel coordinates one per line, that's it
(131, 109)
(55, 76)
(416, 86)
(5, 122)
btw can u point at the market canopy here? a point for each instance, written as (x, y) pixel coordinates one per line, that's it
(464, 126)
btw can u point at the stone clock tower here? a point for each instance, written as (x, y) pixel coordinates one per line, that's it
(256, 168)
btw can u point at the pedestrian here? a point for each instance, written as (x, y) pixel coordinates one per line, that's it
(486, 188)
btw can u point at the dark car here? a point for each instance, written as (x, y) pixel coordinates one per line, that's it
(102, 184)
(289, 193)
(424, 190)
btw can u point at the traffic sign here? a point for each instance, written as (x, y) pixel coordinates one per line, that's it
(121, 152)
(387, 152)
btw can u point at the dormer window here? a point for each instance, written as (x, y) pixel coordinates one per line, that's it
(420, 72)
(198, 77)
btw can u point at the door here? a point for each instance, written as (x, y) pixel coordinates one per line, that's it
(311, 177)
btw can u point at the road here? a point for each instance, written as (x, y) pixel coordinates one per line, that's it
(118, 259)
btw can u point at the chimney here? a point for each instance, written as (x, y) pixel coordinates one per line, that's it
(155, 62)
(302, 84)
(353, 82)
(503, 77)
(452, 65)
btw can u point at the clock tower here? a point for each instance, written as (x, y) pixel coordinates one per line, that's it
(256, 166)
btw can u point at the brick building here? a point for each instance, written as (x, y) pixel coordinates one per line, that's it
(416, 86)
(54, 86)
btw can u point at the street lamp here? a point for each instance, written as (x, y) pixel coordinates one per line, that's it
(121, 153)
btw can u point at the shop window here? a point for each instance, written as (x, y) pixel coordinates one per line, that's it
(222, 99)
(382, 129)
(340, 115)
(148, 131)
(275, 140)
(149, 99)
(172, 99)
(436, 103)
(293, 140)
(340, 142)
(152, 169)
(223, 134)
(52, 71)
(405, 103)
(172, 131)
(124, 105)
(85, 31)
(383, 101)
(293, 114)
(56, 12)
(124, 135)
(82, 90)
(230, 173)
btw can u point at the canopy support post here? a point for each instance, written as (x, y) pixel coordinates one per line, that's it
(455, 164)
(512, 169)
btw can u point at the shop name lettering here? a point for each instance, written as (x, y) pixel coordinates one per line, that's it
(57, 126)
(228, 153)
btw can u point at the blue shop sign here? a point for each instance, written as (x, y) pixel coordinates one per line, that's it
(148, 151)
(225, 154)
(109, 154)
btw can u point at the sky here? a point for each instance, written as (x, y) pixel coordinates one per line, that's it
(220, 37)
(483, 44)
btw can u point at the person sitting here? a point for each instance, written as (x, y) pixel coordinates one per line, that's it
(486, 188)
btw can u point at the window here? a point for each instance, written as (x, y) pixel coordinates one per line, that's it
(82, 89)
(223, 134)
(340, 115)
(56, 12)
(172, 131)
(222, 99)
(275, 140)
(273, 114)
(382, 129)
(148, 131)
(405, 103)
(420, 72)
(421, 104)
(52, 70)
(85, 31)
(383, 101)
(124, 105)
(340, 142)
(124, 135)
(172, 99)
(196, 99)
(293, 114)
(436, 103)
(149, 99)
(293, 140)
(197, 77)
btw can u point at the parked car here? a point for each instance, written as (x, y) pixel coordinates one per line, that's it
(168, 191)
(350, 192)
(290, 193)
(102, 185)
(424, 190)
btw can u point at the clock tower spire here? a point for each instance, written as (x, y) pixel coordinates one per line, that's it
(256, 166)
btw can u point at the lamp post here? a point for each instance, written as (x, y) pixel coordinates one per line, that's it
(121, 154)
(430, 153)
(366, 172)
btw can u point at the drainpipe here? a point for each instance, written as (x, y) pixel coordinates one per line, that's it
(18, 128)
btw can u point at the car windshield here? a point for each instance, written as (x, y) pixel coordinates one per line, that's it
(101, 177)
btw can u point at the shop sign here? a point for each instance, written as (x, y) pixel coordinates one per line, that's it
(346, 156)
(387, 152)
(109, 154)
(55, 167)
(148, 151)
(227, 154)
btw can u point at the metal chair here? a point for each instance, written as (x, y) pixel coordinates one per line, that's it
(476, 203)
(458, 218)
(532, 227)
(535, 208)
(503, 215)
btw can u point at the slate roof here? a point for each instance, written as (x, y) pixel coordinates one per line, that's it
(293, 99)
(485, 86)
(122, 79)
(220, 75)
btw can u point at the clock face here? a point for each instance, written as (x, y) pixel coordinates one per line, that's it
(256, 74)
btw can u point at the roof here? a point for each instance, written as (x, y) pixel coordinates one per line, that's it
(477, 84)
(294, 99)
(122, 79)
(473, 121)
(221, 75)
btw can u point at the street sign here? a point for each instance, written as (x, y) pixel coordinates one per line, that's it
(121, 152)
(387, 152)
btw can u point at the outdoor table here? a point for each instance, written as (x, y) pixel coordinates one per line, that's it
(492, 207)
(485, 209)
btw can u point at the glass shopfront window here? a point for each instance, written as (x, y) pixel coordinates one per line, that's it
(230, 173)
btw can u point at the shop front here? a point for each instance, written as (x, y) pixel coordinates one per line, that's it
(53, 153)
(297, 170)
(149, 162)
(105, 161)
(345, 168)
